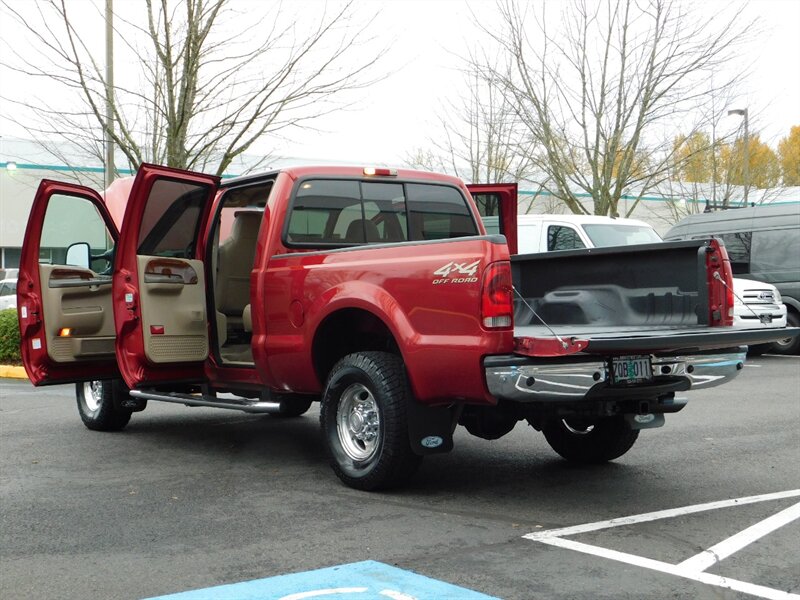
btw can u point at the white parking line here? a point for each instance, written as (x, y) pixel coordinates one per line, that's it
(694, 567)
(657, 565)
(660, 514)
(725, 548)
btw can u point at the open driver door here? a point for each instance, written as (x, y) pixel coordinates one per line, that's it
(159, 288)
(64, 301)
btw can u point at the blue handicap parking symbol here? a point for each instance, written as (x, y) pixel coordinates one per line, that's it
(368, 580)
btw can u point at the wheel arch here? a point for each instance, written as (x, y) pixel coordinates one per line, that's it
(349, 330)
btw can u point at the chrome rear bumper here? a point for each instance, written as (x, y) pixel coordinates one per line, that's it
(532, 380)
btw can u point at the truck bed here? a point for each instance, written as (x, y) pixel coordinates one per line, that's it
(648, 298)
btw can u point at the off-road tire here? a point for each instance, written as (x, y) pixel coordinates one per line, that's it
(590, 442)
(98, 405)
(359, 385)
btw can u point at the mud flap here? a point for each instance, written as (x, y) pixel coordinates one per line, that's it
(430, 428)
(123, 400)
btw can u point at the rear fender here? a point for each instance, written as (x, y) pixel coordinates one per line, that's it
(370, 298)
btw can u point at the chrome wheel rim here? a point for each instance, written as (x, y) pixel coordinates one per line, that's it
(93, 394)
(358, 422)
(578, 428)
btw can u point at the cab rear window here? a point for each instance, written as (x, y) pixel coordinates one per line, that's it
(340, 213)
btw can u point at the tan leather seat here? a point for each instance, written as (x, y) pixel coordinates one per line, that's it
(235, 262)
(247, 319)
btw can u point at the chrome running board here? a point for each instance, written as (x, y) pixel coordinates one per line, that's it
(233, 402)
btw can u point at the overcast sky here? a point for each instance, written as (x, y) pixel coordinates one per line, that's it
(400, 113)
(397, 115)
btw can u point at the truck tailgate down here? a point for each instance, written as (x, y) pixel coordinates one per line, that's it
(535, 340)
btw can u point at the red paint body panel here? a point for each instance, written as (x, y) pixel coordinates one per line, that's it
(41, 369)
(436, 326)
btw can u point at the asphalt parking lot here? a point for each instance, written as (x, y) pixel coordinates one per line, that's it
(189, 498)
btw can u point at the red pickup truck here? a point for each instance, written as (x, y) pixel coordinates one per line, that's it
(375, 292)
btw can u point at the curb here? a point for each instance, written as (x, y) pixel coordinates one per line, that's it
(12, 372)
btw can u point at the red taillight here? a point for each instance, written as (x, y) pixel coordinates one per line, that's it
(497, 300)
(720, 284)
(729, 292)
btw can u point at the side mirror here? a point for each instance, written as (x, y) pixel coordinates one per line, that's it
(79, 255)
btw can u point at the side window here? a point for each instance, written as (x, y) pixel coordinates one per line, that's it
(775, 254)
(738, 246)
(437, 212)
(171, 219)
(560, 237)
(71, 220)
(385, 206)
(338, 213)
(323, 211)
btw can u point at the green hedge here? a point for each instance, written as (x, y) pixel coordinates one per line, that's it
(9, 336)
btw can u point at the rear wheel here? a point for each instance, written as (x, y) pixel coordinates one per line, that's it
(364, 421)
(788, 345)
(590, 441)
(99, 405)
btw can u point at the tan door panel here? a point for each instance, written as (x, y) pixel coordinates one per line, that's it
(79, 322)
(173, 305)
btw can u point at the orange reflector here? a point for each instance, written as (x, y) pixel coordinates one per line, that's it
(64, 332)
(380, 172)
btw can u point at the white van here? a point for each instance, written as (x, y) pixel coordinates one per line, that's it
(754, 301)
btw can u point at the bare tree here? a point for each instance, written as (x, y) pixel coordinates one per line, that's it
(479, 136)
(598, 94)
(209, 82)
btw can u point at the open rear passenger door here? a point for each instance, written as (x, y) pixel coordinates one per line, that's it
(497, 205)
(64, 290)
(159, 281)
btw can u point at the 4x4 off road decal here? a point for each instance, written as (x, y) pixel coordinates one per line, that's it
(454, 272)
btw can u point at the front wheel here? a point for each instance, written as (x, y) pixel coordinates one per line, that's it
(364, 421)
(98, 405)
(590, 441)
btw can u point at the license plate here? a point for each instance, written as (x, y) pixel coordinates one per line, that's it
(628, 369)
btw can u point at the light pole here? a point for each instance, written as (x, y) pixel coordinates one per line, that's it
(109, 150)
(742, 112)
